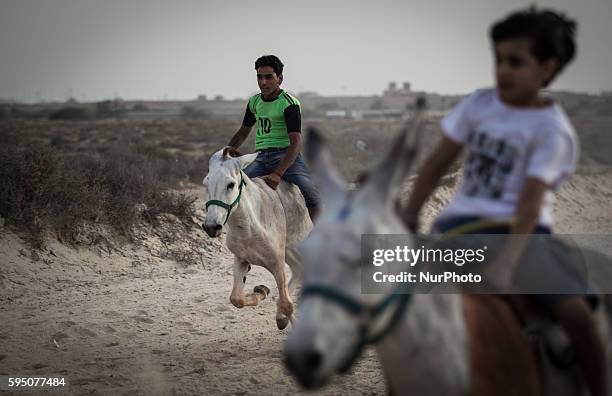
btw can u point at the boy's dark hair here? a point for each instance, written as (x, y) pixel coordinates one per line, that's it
(272, 61)
(552, 34)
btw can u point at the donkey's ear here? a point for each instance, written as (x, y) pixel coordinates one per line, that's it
(245, 160)
(399, 159)
(323, 171)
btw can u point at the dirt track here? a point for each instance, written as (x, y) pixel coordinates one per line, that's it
(131, 320)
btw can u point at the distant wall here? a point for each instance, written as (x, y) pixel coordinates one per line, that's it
(313, 106)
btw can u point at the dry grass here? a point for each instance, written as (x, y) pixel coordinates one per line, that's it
(61, 186)
(57, 175)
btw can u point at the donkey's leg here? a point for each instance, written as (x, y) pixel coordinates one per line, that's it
(238, 298)
(284, 305)
(291, 256)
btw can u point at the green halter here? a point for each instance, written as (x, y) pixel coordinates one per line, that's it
(230, 206)
(366, 314)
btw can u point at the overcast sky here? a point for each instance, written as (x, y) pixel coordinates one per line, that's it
(137, 49)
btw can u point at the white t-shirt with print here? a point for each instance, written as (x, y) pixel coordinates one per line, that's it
(505, 145)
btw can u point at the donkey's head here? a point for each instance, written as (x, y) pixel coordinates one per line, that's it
(223, 187)
(329, 331)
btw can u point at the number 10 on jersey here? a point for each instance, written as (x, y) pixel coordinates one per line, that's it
(264, 125)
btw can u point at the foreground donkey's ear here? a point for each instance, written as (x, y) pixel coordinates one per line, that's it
(398, 161)
(323, 171)
(246, 159)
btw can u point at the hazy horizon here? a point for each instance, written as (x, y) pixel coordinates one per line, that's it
(152, 50)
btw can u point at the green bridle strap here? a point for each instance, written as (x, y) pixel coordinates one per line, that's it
(365, 312)
(230, 206)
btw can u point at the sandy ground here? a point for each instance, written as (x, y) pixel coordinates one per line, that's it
(136, 319)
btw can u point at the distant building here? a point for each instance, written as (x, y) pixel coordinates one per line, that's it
(336, 114)
(398, 99)
(392, 90)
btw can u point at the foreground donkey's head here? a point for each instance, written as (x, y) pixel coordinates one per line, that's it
(223, 187)
(330, 330)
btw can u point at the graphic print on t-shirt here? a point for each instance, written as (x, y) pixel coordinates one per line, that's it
(489, 163)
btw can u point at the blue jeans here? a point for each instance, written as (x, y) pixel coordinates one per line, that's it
(268, 160)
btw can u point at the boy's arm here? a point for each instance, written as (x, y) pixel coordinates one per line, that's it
(240, 136)
(242, 133)
(552, 162)
(434, 168)
(274, 178)
(295, 139)
(529, 204)
(526, 220)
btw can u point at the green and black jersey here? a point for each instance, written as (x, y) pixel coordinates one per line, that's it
(275, 118)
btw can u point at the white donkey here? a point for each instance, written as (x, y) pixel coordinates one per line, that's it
(263, 225)
(428, 344)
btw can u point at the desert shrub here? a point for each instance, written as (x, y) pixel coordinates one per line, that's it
(177, 204)
(70, 113)
(177, 144)
(58, 141)
(198, 168)
(139, 174)
(20, 194)
(46, 190)
(43, 191)
(110, 108)
(192, 112)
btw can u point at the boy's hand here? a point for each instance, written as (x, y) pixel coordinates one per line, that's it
(272, 180)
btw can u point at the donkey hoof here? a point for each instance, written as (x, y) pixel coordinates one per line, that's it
(262, 289)
(282, 323)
